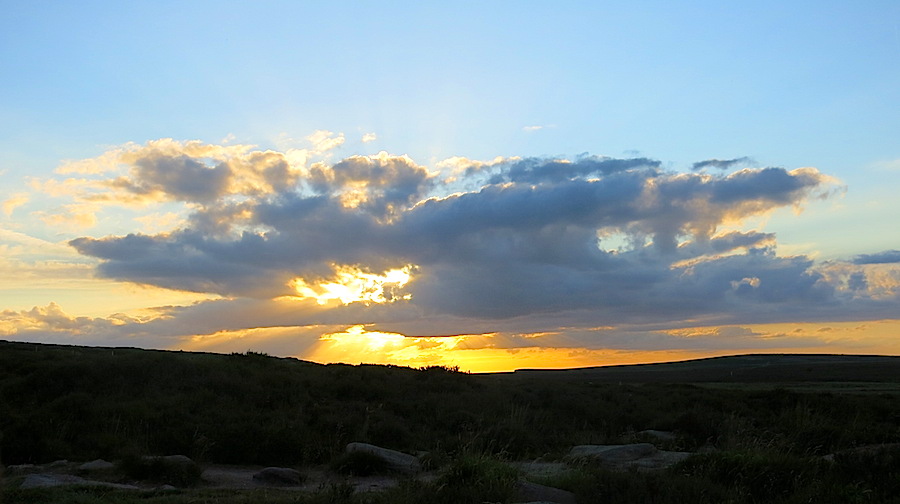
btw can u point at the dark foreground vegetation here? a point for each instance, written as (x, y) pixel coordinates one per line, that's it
(752, 443)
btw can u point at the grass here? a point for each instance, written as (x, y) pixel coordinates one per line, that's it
(76, 403)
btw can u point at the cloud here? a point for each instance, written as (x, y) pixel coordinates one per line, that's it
(192, 173)
(526, 241)
(76, 216)
(523, 252)
(722, 164)
(51, 324)
(888, 256)
(382, 184)
(324, 140)
(13, 202)
(369, 137)
(537, 127)
(181, 178)
(542, 170)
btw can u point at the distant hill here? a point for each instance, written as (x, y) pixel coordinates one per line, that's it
(83, 403)
(754, 368)
(60, 402)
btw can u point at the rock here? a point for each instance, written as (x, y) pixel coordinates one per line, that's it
(54, 480)
(613, 453)
(278, 476)
(539, 470)
(22, 469)
(50, 480)
(527, 491)
(639, 455)
(660, 460)
(394, 460)
(56, 464)
(96, 466)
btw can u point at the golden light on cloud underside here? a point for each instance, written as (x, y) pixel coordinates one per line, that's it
(351, 284)
(354, 195)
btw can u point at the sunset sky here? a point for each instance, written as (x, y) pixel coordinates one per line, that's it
(493, 185)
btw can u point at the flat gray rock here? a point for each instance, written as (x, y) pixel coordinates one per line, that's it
(96, 465)
(639, 455)
(394, 460)
(527, 491)
(22, 468)
(613, 453)
(54, 480)
(537, 470)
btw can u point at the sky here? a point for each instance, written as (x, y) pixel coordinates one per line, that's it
(489, 185)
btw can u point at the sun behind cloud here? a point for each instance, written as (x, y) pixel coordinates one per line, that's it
(350, 285)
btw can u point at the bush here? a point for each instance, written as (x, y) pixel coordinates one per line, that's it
(476, 478)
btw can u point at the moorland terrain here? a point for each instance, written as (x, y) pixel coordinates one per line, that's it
(752, 428)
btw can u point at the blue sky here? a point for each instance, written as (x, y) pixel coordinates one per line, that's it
(781, 85)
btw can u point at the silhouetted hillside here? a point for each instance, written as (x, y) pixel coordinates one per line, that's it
(81, 403)
(757, 368)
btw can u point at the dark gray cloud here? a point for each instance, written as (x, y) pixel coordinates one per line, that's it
(769, 185)
(180, 177)
(529, 243)
(381, 185)
(537, 170)
(886, 257)
(722, 164)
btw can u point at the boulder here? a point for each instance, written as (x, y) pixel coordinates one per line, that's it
(613, 453)
(542, 470)
(278, 476)
(96, 466)
(661, 460)
(54, 480)
(639, 455)
(22, 469)
(50, 480)
(527, 491)
(394, 460)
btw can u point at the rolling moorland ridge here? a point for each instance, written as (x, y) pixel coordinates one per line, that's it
(752, 428)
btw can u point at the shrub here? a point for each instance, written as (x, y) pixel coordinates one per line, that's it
(476, 478)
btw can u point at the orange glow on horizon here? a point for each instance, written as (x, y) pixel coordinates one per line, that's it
(482, 353)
